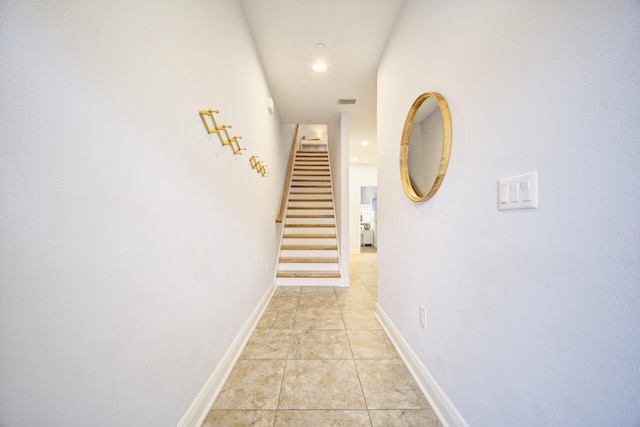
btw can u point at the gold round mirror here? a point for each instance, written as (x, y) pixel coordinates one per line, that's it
(425, 147)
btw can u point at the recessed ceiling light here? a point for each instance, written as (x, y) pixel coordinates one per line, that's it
(355, 159)
(319, 67)
(364, 143)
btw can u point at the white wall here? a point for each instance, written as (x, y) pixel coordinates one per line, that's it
(133, 245)
(339, 153)
(360, 175)
(533, 316)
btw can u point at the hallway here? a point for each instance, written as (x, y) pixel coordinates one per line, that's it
(319, 357)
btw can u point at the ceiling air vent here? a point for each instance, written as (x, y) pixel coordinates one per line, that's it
(346, 101)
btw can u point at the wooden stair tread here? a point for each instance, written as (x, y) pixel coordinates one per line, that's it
(311, 199)
(310, 216)
(310, 192)
(309, 274)
(309, 247)
(308, 236)
(310, 207)
(304, 168)
(310, 260)
(310, 162)
(307, 225)
(311, 184)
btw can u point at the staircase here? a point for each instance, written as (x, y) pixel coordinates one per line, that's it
(309, 244)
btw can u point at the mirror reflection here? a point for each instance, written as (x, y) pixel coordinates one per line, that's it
(425, 146)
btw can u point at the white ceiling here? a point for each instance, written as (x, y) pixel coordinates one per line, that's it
(355, 33)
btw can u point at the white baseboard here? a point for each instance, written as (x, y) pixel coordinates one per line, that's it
(201, 405)
(443, 407)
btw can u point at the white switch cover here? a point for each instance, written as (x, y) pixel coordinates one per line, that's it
(518, 192)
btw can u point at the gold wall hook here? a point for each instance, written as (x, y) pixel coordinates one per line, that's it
(210, 124)
(259, 166)
(253, 160)
(209, 113)
(235, 144)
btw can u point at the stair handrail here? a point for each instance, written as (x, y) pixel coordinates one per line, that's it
(285, 190)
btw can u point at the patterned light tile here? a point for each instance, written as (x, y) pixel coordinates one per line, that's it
(318, 302)
(360, 319)
(277, 319)
(287, 291)
(253, 384)
(318, 319)
(354, 290)
(387, 384)
(236, 418)
(320, 344)
(371, 344)
(357, 302)
(268, 344)
(318, 418)
(404, 418)
(282, 303)
(311, 384)
(318, 290)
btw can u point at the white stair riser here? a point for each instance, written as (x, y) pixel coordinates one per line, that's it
(310, 221)
(293, 281)
(309, 241)
(298, 197)
(309, 211)
(310, 230)
(321, 204)
(298, 266)
(311, 253)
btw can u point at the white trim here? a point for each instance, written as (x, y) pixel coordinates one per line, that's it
(443, 407)
(201, 405)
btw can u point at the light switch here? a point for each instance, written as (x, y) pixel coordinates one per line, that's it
(504, 194)
(518, 192)
(513, 192)
(525, 191)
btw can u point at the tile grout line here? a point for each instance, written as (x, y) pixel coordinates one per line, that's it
(286, 359)
(355, 365)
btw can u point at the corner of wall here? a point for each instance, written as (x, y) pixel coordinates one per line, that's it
(442, 406)
(201, 405)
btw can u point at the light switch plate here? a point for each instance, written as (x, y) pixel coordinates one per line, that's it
(518, 192)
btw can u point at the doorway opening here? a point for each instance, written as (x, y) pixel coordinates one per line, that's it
(368, 219)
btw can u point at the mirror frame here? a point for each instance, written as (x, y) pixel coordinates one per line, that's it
(409, 187)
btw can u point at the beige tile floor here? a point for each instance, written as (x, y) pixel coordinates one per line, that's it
(319, 357)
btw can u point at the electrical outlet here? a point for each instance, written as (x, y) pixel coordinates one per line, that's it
(423, 317)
